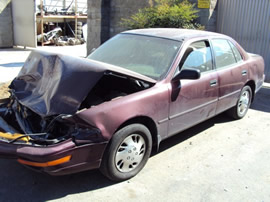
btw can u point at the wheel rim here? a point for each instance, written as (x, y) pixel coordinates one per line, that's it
(243, 103)
(130, 153)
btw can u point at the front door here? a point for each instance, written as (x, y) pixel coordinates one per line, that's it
(196, 100)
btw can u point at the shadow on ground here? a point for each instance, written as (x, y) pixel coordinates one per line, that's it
(176, 139)
(15, 64)
(262, 100)
(18, 182)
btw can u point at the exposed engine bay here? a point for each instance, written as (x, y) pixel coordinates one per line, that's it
(50, 90)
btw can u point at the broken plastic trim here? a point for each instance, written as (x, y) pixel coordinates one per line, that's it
(52, 131)
(21, 125)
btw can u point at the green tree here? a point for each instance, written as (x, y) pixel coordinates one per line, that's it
(164, 13)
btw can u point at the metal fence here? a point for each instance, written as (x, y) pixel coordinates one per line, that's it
(248, 22)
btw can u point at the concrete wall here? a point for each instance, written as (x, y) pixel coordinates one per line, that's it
(98, 22)
(104, 17)
(6, 33)
(123, 9)
(207, 17)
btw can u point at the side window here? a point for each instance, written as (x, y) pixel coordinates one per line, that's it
(197, 56)
(223, 53)
(236, 52)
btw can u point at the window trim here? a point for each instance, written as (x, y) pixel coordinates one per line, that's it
(206, 40)
(231, 44)
(214, 58)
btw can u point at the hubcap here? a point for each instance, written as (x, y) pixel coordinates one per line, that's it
(130, 153)
(243, 103)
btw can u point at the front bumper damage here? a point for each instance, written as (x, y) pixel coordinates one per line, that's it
(60, 159)
(81, 148)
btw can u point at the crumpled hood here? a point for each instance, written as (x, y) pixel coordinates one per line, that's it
(51, 83)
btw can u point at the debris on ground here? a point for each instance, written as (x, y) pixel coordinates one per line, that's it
(4, 90)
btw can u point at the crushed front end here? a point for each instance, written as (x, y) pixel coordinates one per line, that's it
(38, 122)
(56, 145)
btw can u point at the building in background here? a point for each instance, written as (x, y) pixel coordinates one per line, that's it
(104, 17)
(6, 31)
(21, 21)
(248, 22)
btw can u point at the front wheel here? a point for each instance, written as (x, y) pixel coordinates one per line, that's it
(243, 103)
(127, 152)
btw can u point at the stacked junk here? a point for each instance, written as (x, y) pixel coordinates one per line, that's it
(55, 36)
(66, 31)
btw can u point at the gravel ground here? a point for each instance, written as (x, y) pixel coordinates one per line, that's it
(4, 90)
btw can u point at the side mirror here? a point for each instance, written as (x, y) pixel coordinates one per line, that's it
(187, 74)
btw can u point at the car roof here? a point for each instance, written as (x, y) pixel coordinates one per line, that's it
(173, 33)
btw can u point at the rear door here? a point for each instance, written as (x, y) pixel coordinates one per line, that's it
(193, 101)
(231, 73)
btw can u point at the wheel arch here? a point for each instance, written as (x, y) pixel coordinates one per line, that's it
(252, 85)
(147, 122)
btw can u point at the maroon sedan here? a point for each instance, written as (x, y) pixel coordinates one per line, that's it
(110, 110)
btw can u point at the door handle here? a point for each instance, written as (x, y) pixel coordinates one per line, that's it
(213, 82)
(244, 72)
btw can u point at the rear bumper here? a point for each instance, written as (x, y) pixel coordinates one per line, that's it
(83, 157)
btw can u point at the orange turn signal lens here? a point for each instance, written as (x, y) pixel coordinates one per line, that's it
(46, 164)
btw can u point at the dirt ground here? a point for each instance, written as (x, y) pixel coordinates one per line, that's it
(4, 90)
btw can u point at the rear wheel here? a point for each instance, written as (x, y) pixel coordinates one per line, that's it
(127, 152)
(241, 108)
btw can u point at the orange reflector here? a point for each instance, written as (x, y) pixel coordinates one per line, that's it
(45, 164)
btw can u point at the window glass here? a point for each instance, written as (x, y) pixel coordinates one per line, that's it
(198, 56)
(223, 53)
(236, 52)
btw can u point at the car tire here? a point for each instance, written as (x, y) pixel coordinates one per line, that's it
(127, 152)
(243, 104)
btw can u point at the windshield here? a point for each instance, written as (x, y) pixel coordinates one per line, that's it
(146, 55)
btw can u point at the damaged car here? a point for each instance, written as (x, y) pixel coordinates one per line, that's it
(111, 109)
